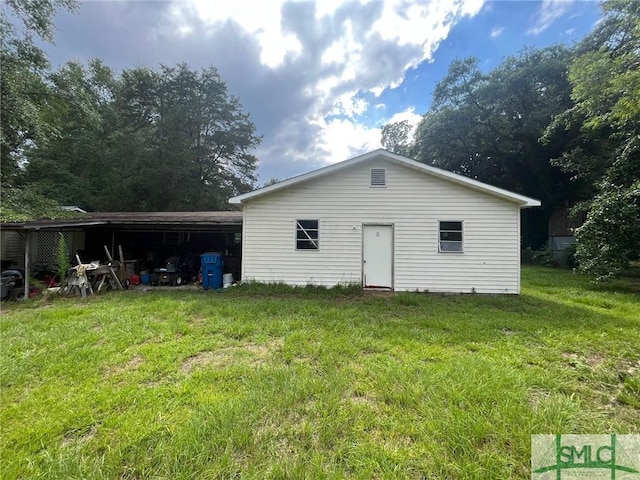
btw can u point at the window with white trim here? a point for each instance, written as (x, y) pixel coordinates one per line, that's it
(450, 236)
(307, 235)
(378, 177)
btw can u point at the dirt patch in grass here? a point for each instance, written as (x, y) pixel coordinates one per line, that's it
(79, 438)
(201, 359)
(197, 321)
(364, 399)
(628, 368)
(131, 365)
(247, 354)
(593, 360)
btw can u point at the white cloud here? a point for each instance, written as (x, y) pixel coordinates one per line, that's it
(259, 18)
(496, 32)
(344, 138)
(350, 105)
(418, 24)
(549, 12)
(409, 115)
(302, 69)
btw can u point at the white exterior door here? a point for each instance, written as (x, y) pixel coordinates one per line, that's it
(377, 256)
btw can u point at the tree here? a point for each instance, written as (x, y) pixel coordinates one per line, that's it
(148, 140)
(74, 165)
(25, 204)
(396, 137)
(606, 90)
(271, 181)
(488, 126)
(198, 141)
(24, 92)
(23, 87)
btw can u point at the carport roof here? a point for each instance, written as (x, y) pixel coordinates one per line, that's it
(201, 219)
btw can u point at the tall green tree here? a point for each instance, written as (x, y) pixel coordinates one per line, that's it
(24, 96)
(605, 78)
(173, 139)
(196, 141)
(23, 87)
(488, 126)
(73, 165)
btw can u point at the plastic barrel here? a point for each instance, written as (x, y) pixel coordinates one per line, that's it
(211, 263)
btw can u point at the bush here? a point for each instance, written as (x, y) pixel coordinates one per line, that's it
(570, 256)
(542, 257)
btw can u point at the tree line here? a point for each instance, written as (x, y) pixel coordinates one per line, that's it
(150, 140)
(555, 124)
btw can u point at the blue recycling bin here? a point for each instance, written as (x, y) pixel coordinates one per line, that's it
(211, 263)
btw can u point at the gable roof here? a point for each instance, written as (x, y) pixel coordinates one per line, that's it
(381, 154)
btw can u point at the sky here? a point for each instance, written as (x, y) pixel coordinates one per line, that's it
(319, 79)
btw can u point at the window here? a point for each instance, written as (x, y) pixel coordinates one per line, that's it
(450, 237)
(307, 235)
(378, 177)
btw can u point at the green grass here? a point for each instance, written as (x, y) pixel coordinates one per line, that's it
(271, 382)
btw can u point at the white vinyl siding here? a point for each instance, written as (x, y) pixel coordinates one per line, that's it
(414, 205)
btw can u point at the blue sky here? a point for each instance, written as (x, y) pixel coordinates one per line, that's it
(318, 79)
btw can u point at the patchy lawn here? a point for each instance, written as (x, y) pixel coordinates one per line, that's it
(274, 382)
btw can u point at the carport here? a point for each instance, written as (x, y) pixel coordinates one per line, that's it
(148, 239)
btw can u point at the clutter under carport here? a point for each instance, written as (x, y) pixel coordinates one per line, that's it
(93, 277)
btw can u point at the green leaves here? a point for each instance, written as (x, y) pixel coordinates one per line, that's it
(24, 204)
(172, 139)
(610, 237)
(395, 137)
(36, 16)
(24, 90)
(606, 91)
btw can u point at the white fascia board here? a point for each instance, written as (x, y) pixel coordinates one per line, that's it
(520, 200)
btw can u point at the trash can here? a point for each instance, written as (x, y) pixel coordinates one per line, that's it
(211, 263)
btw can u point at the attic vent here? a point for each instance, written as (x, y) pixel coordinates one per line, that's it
(378, 177)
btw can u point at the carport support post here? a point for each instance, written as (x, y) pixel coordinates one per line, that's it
(27, 264)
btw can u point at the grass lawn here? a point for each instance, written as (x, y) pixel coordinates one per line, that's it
(307, 383)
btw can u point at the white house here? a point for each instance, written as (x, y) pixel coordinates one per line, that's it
(384, 221)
